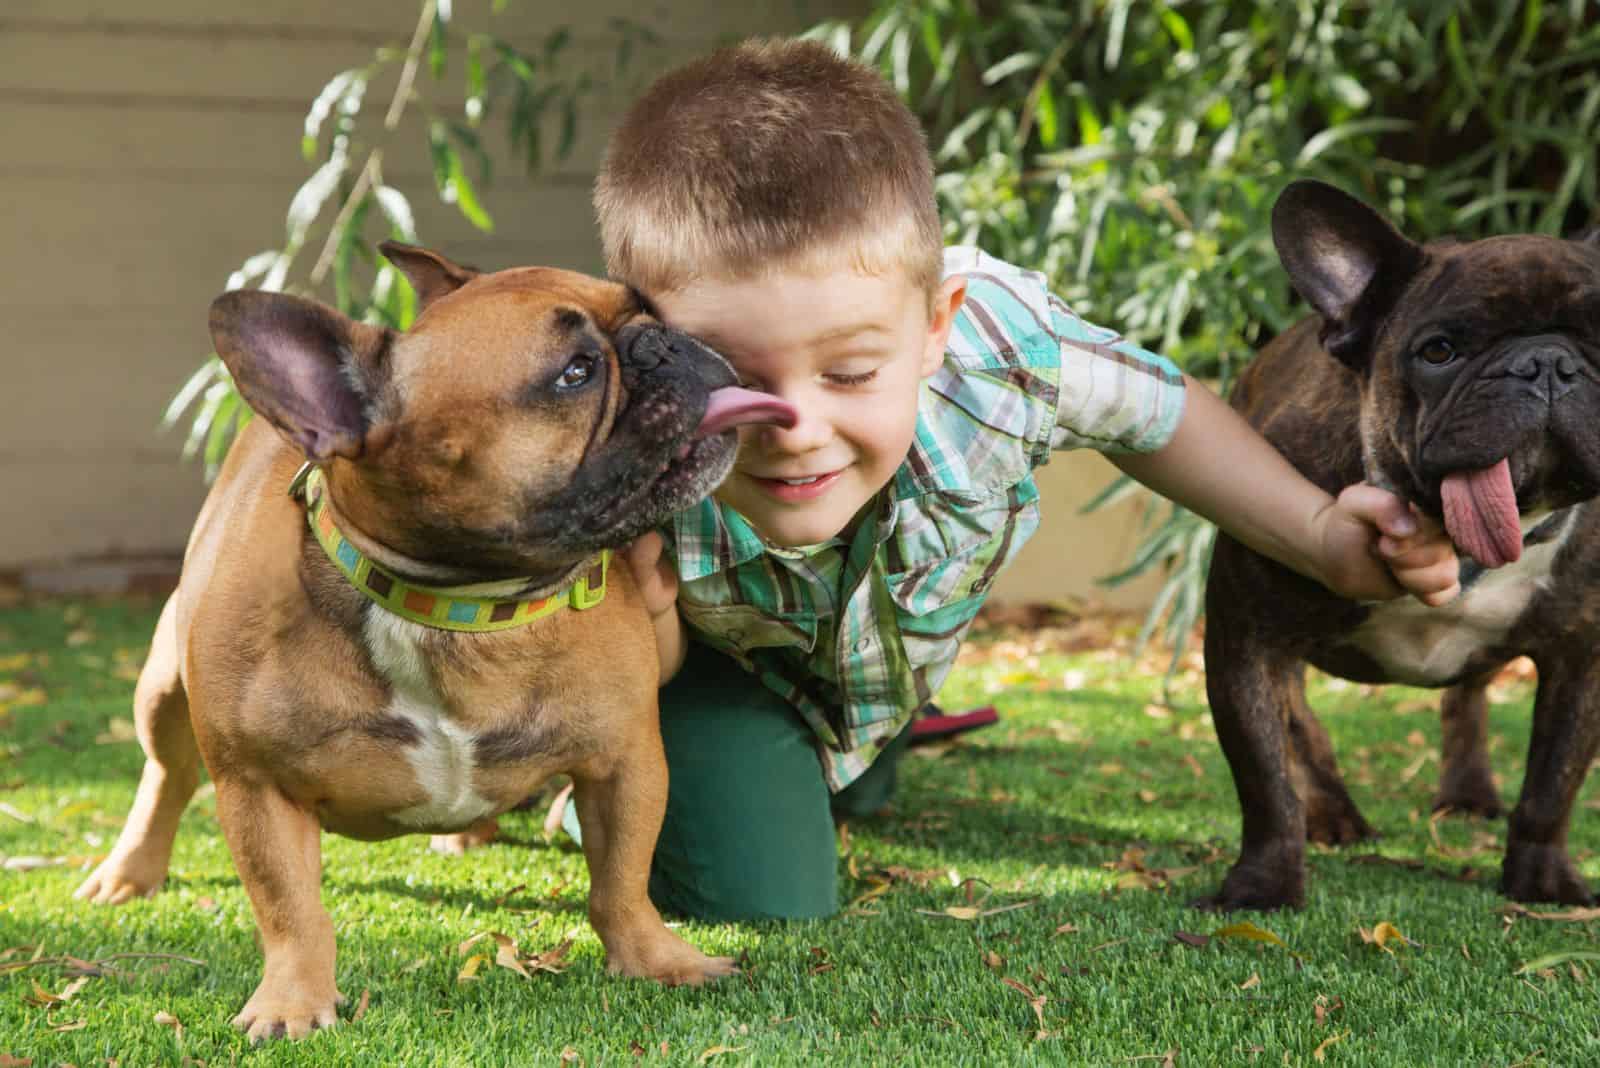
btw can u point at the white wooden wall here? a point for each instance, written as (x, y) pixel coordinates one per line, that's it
(147, 147)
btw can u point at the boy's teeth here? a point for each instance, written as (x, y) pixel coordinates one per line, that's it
(799, 481)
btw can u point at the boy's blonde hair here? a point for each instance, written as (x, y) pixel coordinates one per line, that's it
(768, 154)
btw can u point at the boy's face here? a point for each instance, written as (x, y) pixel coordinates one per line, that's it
(849, 351)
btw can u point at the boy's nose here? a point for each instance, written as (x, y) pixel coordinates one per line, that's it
(809, 432)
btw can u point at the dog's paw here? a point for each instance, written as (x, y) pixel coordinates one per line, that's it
(671, 961)
(287, 1010)
(1257, 888)
(474, 837)
(122, 878)
(1538, 872)
(1469, 792)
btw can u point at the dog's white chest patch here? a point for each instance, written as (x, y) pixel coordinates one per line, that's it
(1425, 646)
(443, 757)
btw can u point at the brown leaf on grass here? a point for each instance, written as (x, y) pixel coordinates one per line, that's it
(41, 998)
(1188, 939)
(822, 964)
(1066, 928)
(469, 970)
(1194, 765)
(76, 1025)
(8, 1061)
(553, 960)
(1322, 1008)
(570, 1056)
(717, 1051)
(166, 1019)
(1321, 1052)
(361, 1006)
(968, 913)
(1252, 982)
(1383, 934)
(993, 960)
(505, 954)
(878, 889)
(1035, 1002)
(503, 898)
(1247, 930)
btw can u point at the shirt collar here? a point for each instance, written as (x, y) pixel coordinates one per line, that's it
(712, 537)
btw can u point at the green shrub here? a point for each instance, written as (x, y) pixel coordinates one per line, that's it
(1132, 152)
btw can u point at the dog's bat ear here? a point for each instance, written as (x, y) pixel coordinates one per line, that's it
(1345, 259)
(430, 274)
(308, 370)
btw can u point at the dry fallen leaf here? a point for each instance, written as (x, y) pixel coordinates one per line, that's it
(505, 954)
(1188, 939)
(166, 1019)
(361, 1006)
(1320, 1053)
(76, 1025)
(1246, 929)
(469, 970)
(1252, 982)
(717, 1051)
(8, 1061)
(1382, 935)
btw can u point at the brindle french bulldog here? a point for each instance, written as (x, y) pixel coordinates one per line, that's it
(1464, 377)
(416, 635)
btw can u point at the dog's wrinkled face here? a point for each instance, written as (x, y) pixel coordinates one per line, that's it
(528, 418)
(1480, 361)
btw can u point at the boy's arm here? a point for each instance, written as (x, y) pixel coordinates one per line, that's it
(1365, 545)
(657, 580)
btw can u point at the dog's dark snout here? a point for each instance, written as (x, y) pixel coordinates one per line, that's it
(1539, 358)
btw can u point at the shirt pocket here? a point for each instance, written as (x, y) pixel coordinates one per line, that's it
(743, 627)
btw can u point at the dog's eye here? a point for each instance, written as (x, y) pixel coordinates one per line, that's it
(1437, 352)
(577, 372)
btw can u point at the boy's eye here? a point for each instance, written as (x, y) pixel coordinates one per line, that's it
(853, 380)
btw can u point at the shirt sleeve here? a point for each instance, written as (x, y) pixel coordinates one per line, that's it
(1114, 395)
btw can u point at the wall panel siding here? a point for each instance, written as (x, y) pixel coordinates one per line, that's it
(152, 147)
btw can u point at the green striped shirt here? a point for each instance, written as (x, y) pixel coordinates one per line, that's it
(858, 635)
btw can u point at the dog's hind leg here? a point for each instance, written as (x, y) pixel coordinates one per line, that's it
(1332, 817)
(1465, 782)
(137, 864)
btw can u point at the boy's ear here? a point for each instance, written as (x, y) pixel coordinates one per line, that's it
(305, 368)
(946, 303)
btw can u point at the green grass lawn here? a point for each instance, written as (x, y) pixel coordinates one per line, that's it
(1021, 903)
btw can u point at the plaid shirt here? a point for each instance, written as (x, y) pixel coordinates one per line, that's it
(858, 635)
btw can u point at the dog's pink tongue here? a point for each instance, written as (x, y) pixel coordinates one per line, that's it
(1480, 513)
(732, 406)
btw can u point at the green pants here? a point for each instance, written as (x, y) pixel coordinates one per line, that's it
(749, 832)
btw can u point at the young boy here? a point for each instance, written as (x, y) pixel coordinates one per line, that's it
(777, 201)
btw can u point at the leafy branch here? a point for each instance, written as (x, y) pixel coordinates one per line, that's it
(532, 89)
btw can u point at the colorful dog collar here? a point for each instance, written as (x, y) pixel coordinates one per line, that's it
(445, 609)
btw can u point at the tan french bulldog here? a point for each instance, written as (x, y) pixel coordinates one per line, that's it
(428, 626)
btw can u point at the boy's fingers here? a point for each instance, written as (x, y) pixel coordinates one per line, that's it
(1379, 508)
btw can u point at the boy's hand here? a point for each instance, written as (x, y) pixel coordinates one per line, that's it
(653, 573)
(657, 580)
(1375, 547)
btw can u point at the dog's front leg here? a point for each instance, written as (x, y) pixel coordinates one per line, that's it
(620, 809)
(277, 849)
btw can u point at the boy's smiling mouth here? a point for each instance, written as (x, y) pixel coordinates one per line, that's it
(794, 489)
